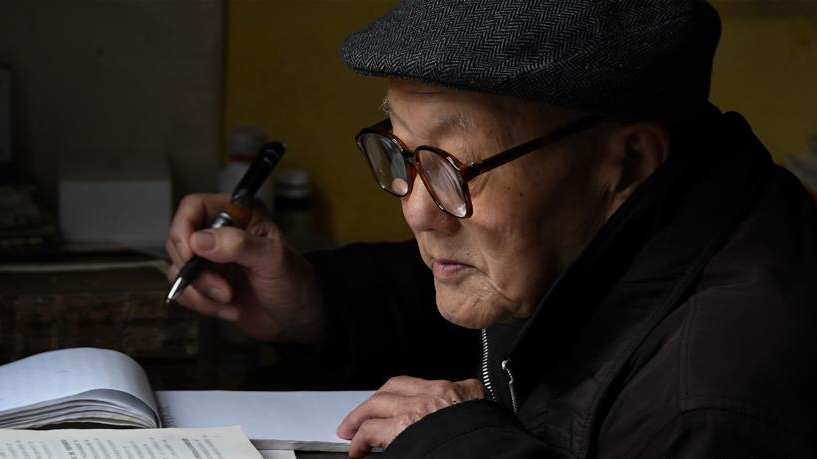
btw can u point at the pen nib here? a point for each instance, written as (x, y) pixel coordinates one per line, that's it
(175, 291)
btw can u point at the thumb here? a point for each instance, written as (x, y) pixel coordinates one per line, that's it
(234, 245)
(203, 242)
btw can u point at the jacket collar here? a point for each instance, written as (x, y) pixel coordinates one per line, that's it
(629, 277)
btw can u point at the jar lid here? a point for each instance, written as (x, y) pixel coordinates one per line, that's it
(245, 141)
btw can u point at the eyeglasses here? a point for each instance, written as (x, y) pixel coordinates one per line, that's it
(445, 177)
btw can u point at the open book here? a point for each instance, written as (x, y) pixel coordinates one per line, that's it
(101, 387)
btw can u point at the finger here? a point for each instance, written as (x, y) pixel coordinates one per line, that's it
(175, 258)
(471, 389)
(193, 213)
(261, 254)
(410, 386)
(171, 273)
(214, 286)
(452, 392)
(192, 298)
(407, 385)
(260, 212)
(376, 433)
(379, 405)
(209, 283)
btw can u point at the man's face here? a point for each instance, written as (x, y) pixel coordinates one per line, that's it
(531, 216)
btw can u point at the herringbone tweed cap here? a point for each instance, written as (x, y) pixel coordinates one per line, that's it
(621, 57)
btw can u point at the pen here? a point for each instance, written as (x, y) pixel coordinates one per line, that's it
(237, 213)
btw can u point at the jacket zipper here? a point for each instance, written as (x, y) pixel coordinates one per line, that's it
(506, 366)
(486, 374)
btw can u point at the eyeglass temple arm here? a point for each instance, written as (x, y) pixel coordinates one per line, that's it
(480, 167)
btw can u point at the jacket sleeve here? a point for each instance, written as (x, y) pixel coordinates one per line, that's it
(382, 321)
(476, 430)
(724, 433)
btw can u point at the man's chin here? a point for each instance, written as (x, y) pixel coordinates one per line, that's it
(467, 312)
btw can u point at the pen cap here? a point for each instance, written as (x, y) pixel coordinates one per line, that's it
(259, 170)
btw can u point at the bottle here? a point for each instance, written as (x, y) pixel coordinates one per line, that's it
(293, 211)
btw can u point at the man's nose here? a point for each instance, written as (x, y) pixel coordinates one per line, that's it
(422, 214)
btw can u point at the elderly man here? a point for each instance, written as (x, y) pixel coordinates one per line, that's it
(642, 274)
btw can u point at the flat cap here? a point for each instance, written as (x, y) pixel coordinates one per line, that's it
(629, 58)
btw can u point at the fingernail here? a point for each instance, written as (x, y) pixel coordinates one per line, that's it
(204, 240)
(343, 432)
(217, 294)
(228, 314)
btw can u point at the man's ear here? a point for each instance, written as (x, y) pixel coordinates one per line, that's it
(637, 150)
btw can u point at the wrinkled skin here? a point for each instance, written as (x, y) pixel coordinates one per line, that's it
(531, 218)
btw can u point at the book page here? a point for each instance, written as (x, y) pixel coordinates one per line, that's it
(220, 443)
(272, 420)
(41, 382)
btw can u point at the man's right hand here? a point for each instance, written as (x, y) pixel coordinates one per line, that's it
(255, 281)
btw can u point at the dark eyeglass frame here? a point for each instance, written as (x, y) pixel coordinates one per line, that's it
(466, 171)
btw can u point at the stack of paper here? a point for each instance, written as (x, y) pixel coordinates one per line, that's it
(76, 385)
(303, 421)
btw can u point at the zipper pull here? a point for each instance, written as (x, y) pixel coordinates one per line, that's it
(506, 367)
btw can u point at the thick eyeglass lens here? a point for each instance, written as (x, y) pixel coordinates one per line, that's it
(387, 163)
(445, 181)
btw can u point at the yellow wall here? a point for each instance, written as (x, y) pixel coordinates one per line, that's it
(284, 75)
(766, 69)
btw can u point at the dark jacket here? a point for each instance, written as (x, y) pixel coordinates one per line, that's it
(686, 328)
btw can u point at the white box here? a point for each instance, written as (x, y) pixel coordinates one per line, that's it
(114, 200)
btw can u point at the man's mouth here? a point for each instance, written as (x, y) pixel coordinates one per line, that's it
(448, 269)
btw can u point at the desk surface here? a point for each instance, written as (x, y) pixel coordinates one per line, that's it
(112, 308)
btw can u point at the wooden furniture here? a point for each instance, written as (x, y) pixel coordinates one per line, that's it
(109, 301)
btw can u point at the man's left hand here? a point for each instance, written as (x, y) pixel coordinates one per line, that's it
(399, 403)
